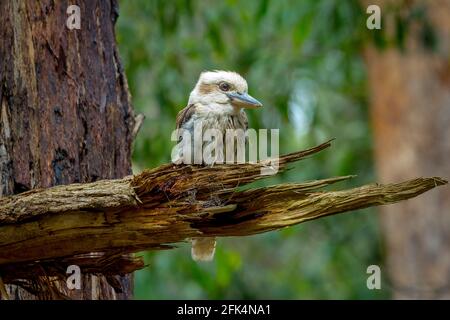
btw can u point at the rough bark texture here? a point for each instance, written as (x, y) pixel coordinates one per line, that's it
(163, 206)
(411, 116)
(65, 111)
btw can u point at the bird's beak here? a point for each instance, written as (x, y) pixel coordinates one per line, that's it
(244, 100)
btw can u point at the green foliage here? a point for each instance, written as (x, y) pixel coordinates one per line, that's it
(302, 60)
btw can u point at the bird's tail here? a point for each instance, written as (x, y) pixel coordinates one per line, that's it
(203, 249)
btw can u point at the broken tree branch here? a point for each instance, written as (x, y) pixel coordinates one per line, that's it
(164, 206)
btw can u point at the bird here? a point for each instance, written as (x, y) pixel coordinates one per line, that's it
(218, 101)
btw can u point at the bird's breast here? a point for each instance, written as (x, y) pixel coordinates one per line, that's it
(220, 122)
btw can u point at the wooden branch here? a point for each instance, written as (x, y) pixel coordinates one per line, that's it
(165, 206)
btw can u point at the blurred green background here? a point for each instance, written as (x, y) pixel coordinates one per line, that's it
(303, 60)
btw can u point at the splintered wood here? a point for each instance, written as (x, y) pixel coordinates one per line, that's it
(46, 229)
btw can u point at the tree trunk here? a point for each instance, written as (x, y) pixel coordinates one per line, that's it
(66, 114)
(410, 90)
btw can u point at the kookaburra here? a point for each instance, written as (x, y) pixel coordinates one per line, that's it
(218, 101)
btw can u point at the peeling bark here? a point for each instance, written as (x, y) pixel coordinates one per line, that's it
(66, 115)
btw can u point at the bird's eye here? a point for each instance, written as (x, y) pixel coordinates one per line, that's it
(224, 86)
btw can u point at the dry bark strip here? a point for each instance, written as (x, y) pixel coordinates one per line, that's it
(65, 110)
(165, 206)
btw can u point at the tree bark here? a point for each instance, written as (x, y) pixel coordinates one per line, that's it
(163, 206)
(66, 115)
(410, 87)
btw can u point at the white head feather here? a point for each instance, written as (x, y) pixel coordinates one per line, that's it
(207, 90)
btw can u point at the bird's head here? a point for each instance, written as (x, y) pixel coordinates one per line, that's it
(225, 89)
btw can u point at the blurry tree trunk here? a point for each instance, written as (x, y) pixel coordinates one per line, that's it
(65, 110)
(410, 92)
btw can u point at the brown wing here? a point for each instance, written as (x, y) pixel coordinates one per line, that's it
(245, 120)
(184, 115)
(244, 116)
